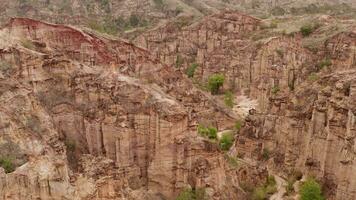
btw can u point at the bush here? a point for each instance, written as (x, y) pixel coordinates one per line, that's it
(265, 154)
(210, 132)
(238, 125)
(27, 44)
(259, 194)
(179, 61)
(215, 82)
(308, 29)
(229, 99)
(70, 144)
(232, 161)
(5, 67)
(313, 77)
(262, 193)
(191, 70)
(326, 62)
(7, 164)
(275, 89)
(311, 190)
(134, 20)
(192, 194)
(226, 141)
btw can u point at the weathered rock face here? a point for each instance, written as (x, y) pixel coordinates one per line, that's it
(221, 44)
(94, 118)
(312, 130)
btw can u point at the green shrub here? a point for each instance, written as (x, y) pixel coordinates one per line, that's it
(215, 82)
(275, 89)
(326, 62)
(192, 194)
(265, 154)
(313, 77)
(306, 30)
(134, 20)
(5, 67)
(179, 61)
(226, 141)
(311, 190)
(229, 99)
(238, 125)
(259, 194)
(191, 70)
(70, 144)
(159, 4)
(210, 132)
(232, 161)
(7, 164)
(27, 44)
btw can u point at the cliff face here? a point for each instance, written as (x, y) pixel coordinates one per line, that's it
(313, 129)
(305, 112)
(94, 118)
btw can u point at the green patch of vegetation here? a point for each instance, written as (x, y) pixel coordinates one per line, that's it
(27, 44)
(70, 144)
(191, 70)
(269, 188)
(292, 178)
(159, 4)
(226, 141)
(280, 52)
(266, 154)
(5, 67)
(210, 132)
(238, 125)
(308, 29)
(326, 62)
(275, 89)
(233, 162)
(215, 82)
(7, 164)
(311, 190)
(192, 194)
(278, 11)
(229, 99)
(179, 61)
(313, 77)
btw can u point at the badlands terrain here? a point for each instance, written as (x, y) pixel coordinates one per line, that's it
(177, 100)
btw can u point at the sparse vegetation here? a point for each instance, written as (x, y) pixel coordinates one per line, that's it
(308, 29)
(238, 125)
(27, 44)
(292, 178)
(326, 62)
(191, 70)
(7, 164)
(275, 89)
(269, 188)
(313, 77)
(192, 194)
(229, 99)
(210, 132)
(179, 61)
(266, 154)
(70, 144)
(226, 141)
(215, 82)
(5, 67)
(159, 4)
(311, 190)
(233, 162)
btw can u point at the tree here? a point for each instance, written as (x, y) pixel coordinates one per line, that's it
(311, 190)
(215, 82)
(226, 141)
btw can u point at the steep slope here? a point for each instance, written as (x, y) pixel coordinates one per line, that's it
(92, 118)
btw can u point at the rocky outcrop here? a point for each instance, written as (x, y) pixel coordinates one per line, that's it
(95, 118)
